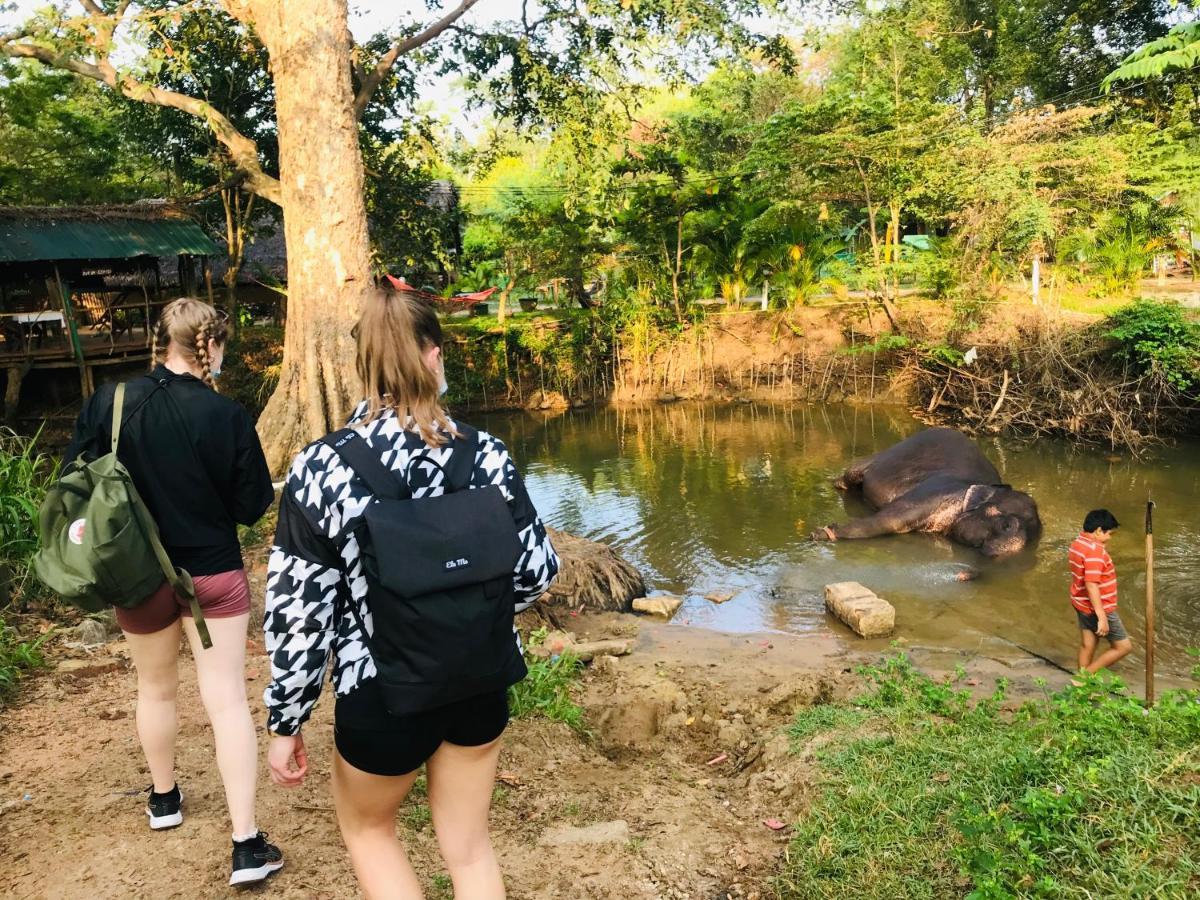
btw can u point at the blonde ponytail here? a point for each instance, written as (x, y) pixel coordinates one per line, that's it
(394, 333)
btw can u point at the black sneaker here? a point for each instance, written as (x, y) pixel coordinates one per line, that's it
(254, 860)
(165, 810)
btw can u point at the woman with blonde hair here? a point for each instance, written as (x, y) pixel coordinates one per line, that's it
(406, 544)
(197, 463)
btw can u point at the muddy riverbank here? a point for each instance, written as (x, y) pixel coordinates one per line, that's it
(666, 796)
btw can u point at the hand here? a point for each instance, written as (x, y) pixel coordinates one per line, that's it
(1102, 625)
(288, 760)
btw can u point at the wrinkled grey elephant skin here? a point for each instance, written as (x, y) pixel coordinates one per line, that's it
(939, 481)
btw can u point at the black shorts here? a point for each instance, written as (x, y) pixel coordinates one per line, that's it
(373, 740)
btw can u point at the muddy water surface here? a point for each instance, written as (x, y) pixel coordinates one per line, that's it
(722, 498)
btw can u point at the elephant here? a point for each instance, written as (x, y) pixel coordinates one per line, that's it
(939, 481)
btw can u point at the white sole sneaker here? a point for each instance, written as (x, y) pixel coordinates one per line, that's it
(159, 823)
(250, 876)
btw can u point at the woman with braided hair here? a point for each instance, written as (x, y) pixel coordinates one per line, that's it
(196, 461)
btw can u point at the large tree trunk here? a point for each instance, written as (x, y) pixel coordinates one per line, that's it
(324, 216)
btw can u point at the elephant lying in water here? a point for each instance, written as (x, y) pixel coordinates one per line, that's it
(939, 481)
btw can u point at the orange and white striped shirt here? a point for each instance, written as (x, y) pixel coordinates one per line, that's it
(1091, 564)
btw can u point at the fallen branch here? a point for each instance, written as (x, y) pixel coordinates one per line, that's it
(1000, 399)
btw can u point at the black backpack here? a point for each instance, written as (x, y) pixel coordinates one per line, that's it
(439, 574)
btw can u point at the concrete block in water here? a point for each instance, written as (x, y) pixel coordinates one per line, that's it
(859, 607)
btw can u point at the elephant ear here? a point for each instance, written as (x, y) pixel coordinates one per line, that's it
(978, 495)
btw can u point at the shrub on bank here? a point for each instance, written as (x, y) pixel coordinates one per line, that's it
(928, 794)
(25, 473)
(24, 476)
(1160, 338)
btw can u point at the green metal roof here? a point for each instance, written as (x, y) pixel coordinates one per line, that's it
(42, 239)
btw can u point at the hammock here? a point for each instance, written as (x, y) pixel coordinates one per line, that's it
(477, 297)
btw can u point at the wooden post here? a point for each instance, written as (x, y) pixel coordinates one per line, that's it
(12, 392)
(146, 306)
(207, 269)
(1149, 602)
(85, 375)
(766, 293)
(1035, 280)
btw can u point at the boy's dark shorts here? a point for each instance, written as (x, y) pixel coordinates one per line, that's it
(1116, 628)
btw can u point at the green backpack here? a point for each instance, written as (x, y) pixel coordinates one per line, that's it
(99, 545)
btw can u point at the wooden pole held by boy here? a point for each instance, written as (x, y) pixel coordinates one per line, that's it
(1149, 602)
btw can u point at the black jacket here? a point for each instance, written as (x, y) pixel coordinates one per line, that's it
(195, 459)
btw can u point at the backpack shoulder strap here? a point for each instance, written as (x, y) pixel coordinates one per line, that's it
(462, 459)
(118, 414)
(366, 464)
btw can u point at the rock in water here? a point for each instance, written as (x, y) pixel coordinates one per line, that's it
(592, 576)
(663, 605)
(867, 614)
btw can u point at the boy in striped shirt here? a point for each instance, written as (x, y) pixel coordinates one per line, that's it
(1094, 592)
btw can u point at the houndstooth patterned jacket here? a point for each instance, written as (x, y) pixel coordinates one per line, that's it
(315, 567)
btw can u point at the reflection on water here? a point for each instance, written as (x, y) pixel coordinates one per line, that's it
(715, 497)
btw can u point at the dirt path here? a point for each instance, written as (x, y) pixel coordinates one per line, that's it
(635, 810)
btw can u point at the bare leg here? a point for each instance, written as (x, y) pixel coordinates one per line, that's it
(221, 672)
(1119, 650)
(1087, 647)
(366, 810)
(461, 780)
(156, 658)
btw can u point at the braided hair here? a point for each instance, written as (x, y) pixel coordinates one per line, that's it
(189, 325)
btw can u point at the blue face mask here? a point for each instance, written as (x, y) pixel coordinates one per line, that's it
(442, 385)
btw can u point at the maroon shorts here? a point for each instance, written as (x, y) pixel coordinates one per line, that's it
(221, 596)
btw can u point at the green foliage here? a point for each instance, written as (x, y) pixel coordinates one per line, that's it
(1178, 50)
(928, 793)
(17, 657)
(252, 365)
(940, 353)
(25, 474)
(566, 351)
(886, 343)
(1158, 337)
(63, 142)
(546, 691)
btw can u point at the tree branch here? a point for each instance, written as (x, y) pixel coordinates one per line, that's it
(15, 35)
(242, 150)
(375, 77)
(234, 180)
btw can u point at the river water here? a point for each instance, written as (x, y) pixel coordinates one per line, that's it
(705, 497)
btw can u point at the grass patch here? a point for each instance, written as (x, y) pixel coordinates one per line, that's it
(1079, 794)
(17, 657)
(546, 690)
(441, 888)
(814, 720)
(25, 474)
(416, 816)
